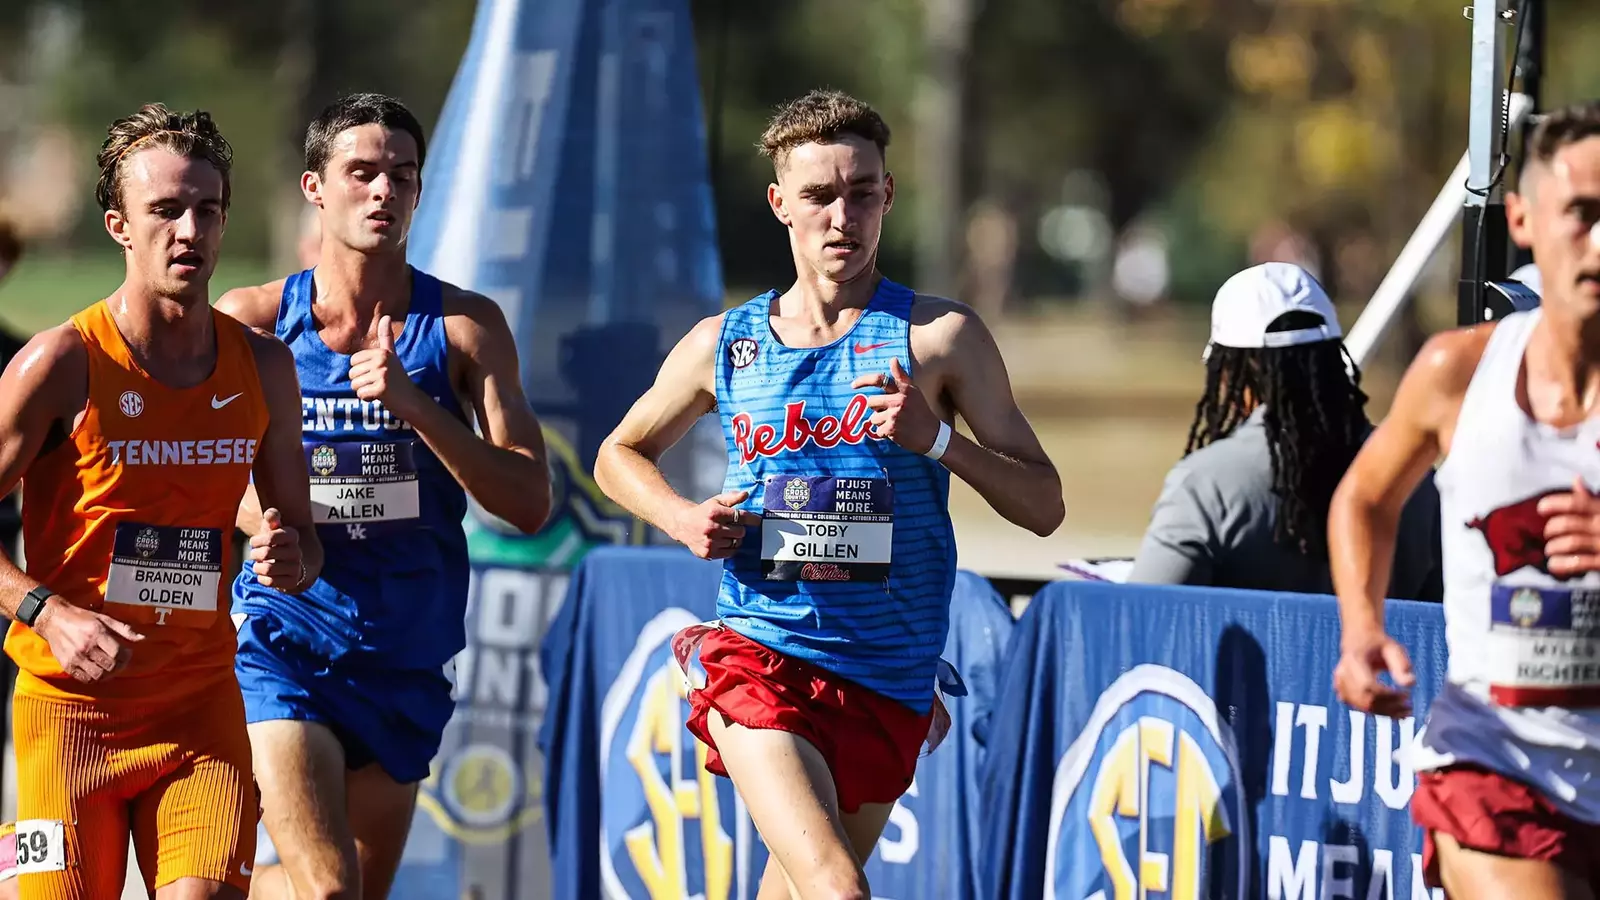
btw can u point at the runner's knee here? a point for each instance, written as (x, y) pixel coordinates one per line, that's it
(851, 886)
(327, 886)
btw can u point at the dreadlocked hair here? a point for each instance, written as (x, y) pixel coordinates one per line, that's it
(1315, 418)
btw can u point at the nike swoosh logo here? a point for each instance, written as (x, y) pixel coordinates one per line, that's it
(245, 870)
(413, 373)
(218, 404)
(868, 348)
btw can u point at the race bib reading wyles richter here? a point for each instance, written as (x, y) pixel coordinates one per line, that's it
(164, 574)
(1544, 646)
(366, 484)
(826, 528)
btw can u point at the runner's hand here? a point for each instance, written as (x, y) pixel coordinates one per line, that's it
(1355, 678)
(1572, 531)
(275, 554)
(900, 413)
(90, 646)
(377, 374)
(715, 528)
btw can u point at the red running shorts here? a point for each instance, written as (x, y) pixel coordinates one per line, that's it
(1487, 811)
(870, 742)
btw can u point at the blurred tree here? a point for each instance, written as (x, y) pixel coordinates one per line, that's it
(1346, 114)
(1337, 118)
(263, 69)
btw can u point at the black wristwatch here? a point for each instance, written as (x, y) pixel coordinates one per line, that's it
(32, 605)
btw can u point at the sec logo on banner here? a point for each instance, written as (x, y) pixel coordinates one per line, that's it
(667, 826)
(1148, 798)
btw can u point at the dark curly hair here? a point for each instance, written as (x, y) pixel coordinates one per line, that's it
(1315, 416)
(193, 135)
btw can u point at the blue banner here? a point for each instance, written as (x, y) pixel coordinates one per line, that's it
(1187, 743)
(566, 180)
(632, 812)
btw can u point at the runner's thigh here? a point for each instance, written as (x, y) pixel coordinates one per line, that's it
(65, 774)
(380, 811)
(791, 798)
(299, 768)
(199, 820)
(1474, 875)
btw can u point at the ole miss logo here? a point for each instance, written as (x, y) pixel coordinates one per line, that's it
(765, 439)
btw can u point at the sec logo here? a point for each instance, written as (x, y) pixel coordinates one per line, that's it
(667, 826)
(1148, 799)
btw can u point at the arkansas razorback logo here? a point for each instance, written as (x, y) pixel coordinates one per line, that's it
(753, 440)
(1515, 535)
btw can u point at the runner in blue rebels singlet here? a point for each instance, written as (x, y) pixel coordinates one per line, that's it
(855, 560)
(364, 649)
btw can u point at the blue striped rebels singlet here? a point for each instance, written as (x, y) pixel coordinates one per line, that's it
(854, 564)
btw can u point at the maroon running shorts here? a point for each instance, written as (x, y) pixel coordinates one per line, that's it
(1487, 811)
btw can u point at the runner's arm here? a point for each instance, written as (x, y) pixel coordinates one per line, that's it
(41, 391)
(282, 481)
(255, 307)
(1006, 464)
(1364, 514)
(627, 465)
(506, 469)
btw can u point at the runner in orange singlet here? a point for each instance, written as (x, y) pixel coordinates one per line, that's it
(134, 429)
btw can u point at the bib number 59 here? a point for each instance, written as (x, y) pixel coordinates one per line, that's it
(41, 846)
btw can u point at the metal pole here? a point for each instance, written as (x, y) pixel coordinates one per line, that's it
(1380, 312)
(1484, 244)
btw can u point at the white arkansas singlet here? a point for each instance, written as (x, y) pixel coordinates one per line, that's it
(1523, 693)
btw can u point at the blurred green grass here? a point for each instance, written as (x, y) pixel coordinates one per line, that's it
(46, 290)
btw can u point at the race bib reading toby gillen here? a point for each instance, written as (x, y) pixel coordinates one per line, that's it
(826, 528)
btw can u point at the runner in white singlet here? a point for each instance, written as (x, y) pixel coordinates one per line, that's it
(1509, 759)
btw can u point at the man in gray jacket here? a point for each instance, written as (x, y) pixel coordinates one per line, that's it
(1282, 417)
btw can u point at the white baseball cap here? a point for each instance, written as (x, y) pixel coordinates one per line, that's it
(1248, 303)
(1529, 275)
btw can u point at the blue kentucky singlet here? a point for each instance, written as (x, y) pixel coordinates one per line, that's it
(854, 563)
(393, 590)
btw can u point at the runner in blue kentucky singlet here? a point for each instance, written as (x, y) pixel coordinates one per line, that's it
(363, 651)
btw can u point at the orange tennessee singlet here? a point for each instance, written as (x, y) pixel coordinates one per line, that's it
(132, 516)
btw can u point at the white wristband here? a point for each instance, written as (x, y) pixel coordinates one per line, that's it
(939, 443)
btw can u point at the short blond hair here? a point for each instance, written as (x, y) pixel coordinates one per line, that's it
(821, 117)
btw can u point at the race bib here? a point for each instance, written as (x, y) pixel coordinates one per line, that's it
(826, 528)
(369, 488)
(164, 575)
(1544, 646)
(35, 845)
